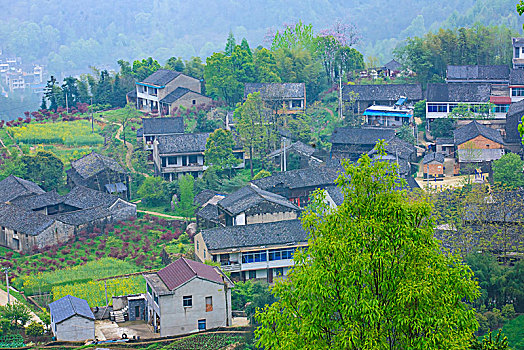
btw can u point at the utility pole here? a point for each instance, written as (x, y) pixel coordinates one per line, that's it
(340, 97)
(92, 121)
(67, 105)
(6, 271)
(285, 160)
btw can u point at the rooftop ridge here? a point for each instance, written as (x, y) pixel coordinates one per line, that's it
(185, 262)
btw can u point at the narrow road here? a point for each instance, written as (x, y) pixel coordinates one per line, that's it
(3, 301)
(129, 153)
(163, 215)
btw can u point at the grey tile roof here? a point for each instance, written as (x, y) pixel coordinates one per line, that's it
(273, 91)
(397, 147)
(433, 157)
(23, 221)
(298, 147)
(182, 143)
(336, 194)
(474, 129)
(513, 119)
(183, 270)
(444, 141)
(13, 187)
(361, 136)
(393, 65)
(458, 92)
(204, 196)
(478, 72)
(39, 200)
(84, 198)
(308, 177)
(272, 233)
(383, 92)
(208, 212)
(161, 77)
(69, 306)
(516, 77)
(177, 94)
(83, 216)
(93, 163)
(250, 196)
(163, 125)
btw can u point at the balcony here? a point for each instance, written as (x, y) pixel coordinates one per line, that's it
(230, 267)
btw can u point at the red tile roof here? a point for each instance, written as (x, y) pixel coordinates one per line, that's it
(183, 270)
(500, 100)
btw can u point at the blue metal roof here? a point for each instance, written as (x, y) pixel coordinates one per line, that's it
(118, 187)
(400, 101)
(386, 113)
(69, 306)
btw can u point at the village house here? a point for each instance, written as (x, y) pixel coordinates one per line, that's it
(445, 145)
(363, 96)
(280, 97)
(433, 165)
(351, 143)
(518, 53)
(298, 185)
(72, 319)
(389, 116)
(164, 126)
(100, 173)
(165, 90)
(32, 219)
(307, 156)
(188, 296)
(207, 211)
(492, 74)
(397, 151)
(392, 69)
(258, 251)
(513, 119)
(478, 144)
(177, 155)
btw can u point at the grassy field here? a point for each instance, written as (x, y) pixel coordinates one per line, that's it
(71, 134)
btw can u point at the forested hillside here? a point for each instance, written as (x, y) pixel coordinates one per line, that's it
(68, 38)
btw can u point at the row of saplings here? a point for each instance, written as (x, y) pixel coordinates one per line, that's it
(15, 319)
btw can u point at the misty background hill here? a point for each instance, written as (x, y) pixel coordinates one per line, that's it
(70, 36)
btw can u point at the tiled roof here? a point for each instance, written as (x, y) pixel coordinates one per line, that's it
(250, 196)
(458, 92)
(397, 147)
(444, 141)
(272, 233)
(163, 125)
(208, 212)
(361, 136)
(161, 77)
(336, 194)
(39, 200)
(393, 65)
(477, 72)
(518, 41)
(474, 129)
(84, 216)
(24, 221)
(182, 143)
(298, 147)
(383, 92)
(513, 119)
(183, 270)
(204, 196)
(93, 163)
(516, 77)
(433, 157)
(177, 94)
(84, 198)
(69, 306)
(13, 187)
(308, 177)
(273, 91)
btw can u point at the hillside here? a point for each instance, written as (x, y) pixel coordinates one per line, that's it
(68, 39)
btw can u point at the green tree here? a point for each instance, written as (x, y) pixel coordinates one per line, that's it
(103, 90)
(373, 276)
(221, 82)
(230, 44)
(185, 207)
(43, 168)
(43, 105)
(299, 36)
(266, 66)
(405, 132)
(146, 67)
(262, 174)
(419, 110)
(34, 329)
(251, 116)
(442, 127)
(152, 191)
(508, 170)
(194, 68)
(499, 342)
(70, 92)
(53, 93)
(16, 312)
(175, 64)
(219, 150)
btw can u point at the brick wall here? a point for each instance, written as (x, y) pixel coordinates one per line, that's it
(435, 169)
(480, 142)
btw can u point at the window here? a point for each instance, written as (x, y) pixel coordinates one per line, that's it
(198, 245)
(193, 159)
(187, 301)
(194, 102)
(209, 304)
(254, 257)
(279, 271)
(202, 325)
(517, 91)
(281, 254)
(155, 298)
(252, 274)
(500, 108)
(437, 107)
(149, 291)
(296, 103)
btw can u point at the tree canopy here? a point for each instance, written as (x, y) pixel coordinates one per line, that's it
(508, 170)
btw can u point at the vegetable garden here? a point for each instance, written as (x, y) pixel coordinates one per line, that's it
(72, 133)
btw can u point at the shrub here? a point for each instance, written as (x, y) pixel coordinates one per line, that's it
(34, 329)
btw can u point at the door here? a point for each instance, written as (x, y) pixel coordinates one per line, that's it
(269, 275)
(137, 312)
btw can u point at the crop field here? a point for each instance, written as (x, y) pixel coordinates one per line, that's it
(68, 133)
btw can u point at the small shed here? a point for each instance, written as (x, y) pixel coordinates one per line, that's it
(72, 319)
(433, 164)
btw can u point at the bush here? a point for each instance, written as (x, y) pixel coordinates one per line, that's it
(5, 326)
(34, 329)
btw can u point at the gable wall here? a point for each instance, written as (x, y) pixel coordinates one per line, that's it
(187, 100)
(480, 142)
(76, 328)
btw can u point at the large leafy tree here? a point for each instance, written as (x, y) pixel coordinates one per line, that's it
(508, 170)
(43, 168)
(373, 276)
(219, 150)
(221, 82)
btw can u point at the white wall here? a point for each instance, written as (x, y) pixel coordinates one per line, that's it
(76, 328)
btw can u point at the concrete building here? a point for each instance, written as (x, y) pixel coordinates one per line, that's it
(258, 251)
(72, 319)
(188, 296)
(433, 165)
(364, 96)
(154, 127)
(287, 98)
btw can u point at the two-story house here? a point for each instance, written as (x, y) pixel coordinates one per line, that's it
(351, 143)
(280, 97)
(188, 296)
(363, 96)
(257, 251)
(154, 127)
(177, 155)
(164, 90)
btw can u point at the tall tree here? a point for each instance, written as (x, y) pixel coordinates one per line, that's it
(194, 68)
(221, 82)
(53, 93)
(146, 67)
(373, 276)
(104, 90)
(219, 150)
(43, 168)
(230, 44)
(175, 64)
(70, 91)
(508, 170)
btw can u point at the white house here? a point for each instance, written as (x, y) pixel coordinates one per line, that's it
(72, 319)
(187, 296)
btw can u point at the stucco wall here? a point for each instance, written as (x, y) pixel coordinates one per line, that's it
(271, 217)
(200, 247)
(76, 328)
(177, 319)
(187, 100)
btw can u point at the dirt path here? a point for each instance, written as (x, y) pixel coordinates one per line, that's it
(3, 301)
(163, 215)
(129, 152)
